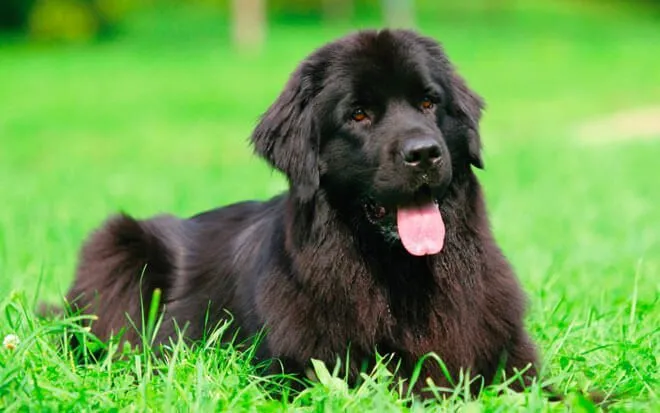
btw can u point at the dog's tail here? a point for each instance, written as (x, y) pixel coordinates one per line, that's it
(120, 267)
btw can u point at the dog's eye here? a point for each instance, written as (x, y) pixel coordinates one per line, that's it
(358, 115)
(427, 103)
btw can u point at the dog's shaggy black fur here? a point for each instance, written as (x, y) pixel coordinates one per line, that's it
(322, 268)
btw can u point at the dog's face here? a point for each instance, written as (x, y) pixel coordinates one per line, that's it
(381, 122)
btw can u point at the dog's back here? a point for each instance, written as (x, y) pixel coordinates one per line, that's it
(194, 262)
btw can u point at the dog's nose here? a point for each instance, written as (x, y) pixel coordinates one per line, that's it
(421, 151)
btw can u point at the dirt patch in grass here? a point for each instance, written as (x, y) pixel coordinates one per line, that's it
(629, 125)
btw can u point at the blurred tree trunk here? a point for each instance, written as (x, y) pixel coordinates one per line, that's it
(248, 24)
(338, 10)
(399, 13)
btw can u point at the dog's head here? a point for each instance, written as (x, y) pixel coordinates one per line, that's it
(380, 121)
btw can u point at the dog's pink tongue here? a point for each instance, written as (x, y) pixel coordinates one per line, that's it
(421, 229)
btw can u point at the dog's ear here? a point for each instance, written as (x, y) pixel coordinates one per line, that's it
(286, 135)
(466, 105)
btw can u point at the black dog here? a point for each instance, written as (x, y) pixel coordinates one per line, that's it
(381, 244)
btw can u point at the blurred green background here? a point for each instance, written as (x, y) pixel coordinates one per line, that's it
(146, 106)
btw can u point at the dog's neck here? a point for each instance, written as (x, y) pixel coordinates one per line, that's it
(395, 282)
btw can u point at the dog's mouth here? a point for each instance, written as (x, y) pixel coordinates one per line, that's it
(419, 223)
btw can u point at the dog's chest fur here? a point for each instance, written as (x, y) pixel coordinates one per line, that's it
(365, 301)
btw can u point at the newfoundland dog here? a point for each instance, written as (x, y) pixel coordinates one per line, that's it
(382, 243)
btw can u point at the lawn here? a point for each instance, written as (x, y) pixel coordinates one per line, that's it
(157, 120)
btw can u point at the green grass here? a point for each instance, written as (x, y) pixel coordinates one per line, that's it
(150, 124)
